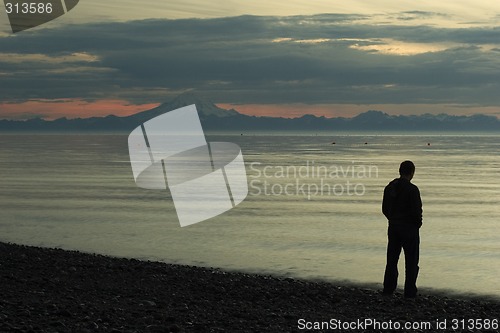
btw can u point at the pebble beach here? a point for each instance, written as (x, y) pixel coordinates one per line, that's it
(53, 290)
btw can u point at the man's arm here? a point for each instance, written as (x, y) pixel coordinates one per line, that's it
(416, 206)
(386, 204)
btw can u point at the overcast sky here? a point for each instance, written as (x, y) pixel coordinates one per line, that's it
(332, 58)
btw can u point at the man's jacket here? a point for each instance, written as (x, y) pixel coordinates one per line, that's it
(402, 203)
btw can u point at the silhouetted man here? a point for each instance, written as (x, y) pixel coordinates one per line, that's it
(403, 208)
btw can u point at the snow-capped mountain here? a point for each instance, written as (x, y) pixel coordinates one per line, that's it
(218, 119)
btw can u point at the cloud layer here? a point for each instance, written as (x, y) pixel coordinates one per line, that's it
(319, 59)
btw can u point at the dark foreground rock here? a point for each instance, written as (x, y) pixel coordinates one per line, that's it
(51, 290)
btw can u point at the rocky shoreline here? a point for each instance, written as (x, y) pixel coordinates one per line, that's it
(52, 290)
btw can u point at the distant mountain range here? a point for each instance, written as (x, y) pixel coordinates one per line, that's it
(217, 119)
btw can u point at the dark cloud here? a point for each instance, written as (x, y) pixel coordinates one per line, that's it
(418, 14)
(250, 59)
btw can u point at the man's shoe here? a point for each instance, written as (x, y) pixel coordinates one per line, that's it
(386, 293)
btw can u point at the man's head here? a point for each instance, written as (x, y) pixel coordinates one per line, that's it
(407, 169)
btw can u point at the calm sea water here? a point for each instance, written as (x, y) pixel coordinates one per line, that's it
(313, 209)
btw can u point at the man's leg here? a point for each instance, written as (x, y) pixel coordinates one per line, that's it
(391, 268)
(411, 245)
